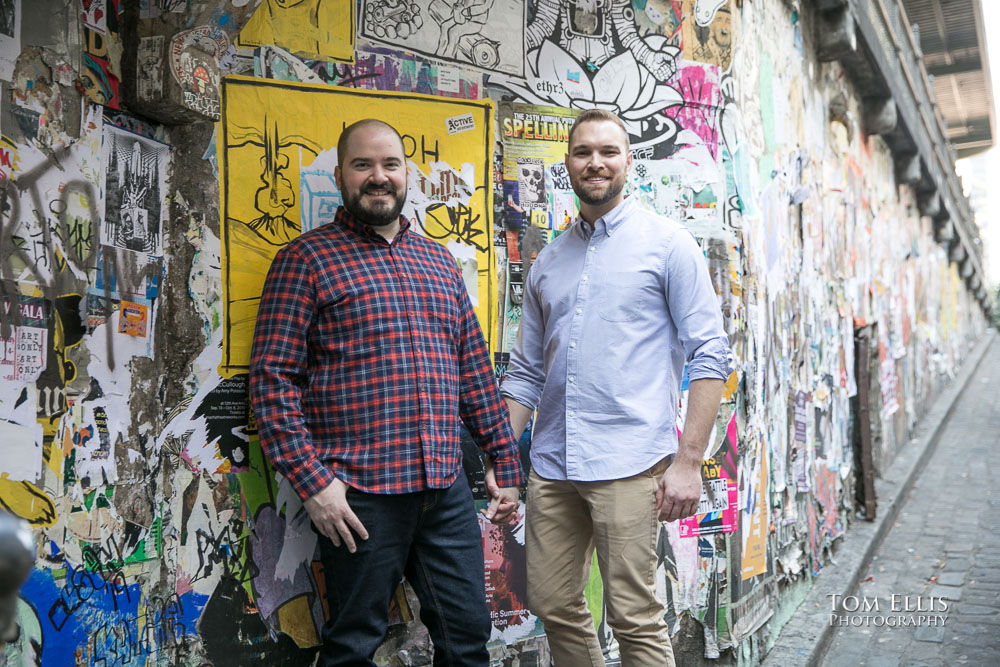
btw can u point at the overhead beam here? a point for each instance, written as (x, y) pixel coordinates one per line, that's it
(942, 33)
(956, 66)
(968, 149)
(961, 140)
(972, 123)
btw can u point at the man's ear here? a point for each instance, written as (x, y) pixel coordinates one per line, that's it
(337, 177)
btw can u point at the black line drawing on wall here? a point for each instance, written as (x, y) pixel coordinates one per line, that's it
(275, 194)
(480, 33)
(586, 54)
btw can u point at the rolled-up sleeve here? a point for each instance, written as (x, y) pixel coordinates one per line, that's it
(525, 376)
(694, 307)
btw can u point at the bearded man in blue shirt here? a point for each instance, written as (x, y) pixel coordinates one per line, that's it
(613, 309)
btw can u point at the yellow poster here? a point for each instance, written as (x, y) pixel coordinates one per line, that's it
(753, 559)
(321, 29)
(277, 152)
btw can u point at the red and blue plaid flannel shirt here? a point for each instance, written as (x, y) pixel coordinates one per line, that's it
(365, 356)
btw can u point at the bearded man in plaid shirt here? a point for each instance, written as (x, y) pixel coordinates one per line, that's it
(366, 356)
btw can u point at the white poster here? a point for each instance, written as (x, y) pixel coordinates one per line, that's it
(22, 352)
(135, 191)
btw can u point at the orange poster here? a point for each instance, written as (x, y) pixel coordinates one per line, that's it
(132, 319)
(755, 521)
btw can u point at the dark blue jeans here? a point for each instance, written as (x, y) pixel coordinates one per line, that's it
(433, 538)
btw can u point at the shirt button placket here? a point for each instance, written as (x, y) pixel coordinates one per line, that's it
(419, 359)
(572, 359)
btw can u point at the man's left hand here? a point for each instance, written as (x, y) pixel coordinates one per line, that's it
(679, 491)
(503, 500)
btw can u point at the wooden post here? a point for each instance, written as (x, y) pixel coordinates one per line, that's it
(862, 361)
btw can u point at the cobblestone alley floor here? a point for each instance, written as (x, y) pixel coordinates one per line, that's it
(932, 594)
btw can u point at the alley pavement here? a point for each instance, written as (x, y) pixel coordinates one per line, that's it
(931, 595)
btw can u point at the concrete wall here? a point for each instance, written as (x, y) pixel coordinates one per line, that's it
(162, 534)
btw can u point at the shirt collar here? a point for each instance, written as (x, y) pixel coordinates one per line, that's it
(348, 221)
(610, 221)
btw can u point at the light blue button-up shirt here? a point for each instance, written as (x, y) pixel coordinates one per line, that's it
(609, 319)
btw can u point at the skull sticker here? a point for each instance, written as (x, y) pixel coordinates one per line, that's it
(531, 182)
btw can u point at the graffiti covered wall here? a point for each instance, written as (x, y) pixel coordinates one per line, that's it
(132, 255)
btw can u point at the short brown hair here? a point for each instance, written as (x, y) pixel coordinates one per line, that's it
(345, 136)
(594, 115)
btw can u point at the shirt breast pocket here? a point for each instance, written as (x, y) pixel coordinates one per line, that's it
(439, 304)
(624, 296)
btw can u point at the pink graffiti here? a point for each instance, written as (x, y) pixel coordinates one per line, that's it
(699, 86)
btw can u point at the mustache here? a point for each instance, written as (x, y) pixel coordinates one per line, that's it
(383, 186)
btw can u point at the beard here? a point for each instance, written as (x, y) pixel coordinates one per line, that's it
(600, 195)
(378, 213)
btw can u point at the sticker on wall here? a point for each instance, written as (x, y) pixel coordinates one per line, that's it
(133, 318)
(462, 123)
(531, 182)
(195, 56)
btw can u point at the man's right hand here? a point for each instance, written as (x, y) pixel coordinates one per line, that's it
(333, 516)
(503, 500)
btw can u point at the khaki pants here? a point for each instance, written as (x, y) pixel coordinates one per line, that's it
(566, 521)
